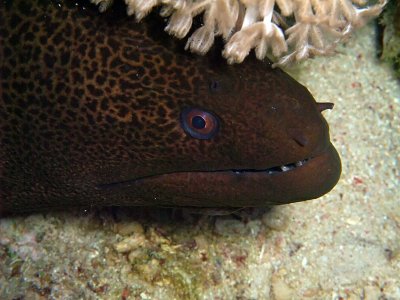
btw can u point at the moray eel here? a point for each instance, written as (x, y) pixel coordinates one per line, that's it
(98, 110)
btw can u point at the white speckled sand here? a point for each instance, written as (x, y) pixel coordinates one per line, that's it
(345, 245)
(351, 237)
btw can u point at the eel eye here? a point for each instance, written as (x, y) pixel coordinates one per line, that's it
(199, 124)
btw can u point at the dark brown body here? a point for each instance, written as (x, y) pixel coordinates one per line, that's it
(90, 115)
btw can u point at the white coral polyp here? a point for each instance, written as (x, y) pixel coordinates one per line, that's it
(179, 24)
(240, 44)
(273, 38)
(318, 25)
(201, 40)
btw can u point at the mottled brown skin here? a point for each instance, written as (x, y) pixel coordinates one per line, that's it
(90, 115)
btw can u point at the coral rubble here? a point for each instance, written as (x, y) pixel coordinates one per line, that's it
(287, 30)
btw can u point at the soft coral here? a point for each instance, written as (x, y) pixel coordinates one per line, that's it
(315, 26)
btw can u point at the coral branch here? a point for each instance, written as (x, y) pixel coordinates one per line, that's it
(315, 26)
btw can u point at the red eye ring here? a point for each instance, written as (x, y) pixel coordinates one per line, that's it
(199, 123)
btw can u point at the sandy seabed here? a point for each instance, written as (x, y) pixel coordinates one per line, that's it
(345, 245)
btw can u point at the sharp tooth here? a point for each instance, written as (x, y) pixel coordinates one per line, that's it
(285, 168)
(299, 163)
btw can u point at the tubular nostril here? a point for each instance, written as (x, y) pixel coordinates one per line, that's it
(298, 137)
(324, 105)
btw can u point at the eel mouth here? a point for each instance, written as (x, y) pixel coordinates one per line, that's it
(234, 172)
(305, 179)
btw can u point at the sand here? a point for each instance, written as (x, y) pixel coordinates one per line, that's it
(345, 245)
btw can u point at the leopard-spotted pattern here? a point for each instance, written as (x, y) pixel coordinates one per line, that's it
(89, 99)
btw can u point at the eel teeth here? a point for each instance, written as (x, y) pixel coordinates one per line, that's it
(274, 170)
(292, 166)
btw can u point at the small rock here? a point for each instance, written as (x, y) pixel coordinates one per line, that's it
(130, 243)
(312, 292)
(129, 228)
(354, 220)
(149, 270)
(144, 296)
(137, 254)
(275, 220)
(280, 290)
(229, 226)
(254, 227)
(372, 292)
(201, 242)
(157, 237)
